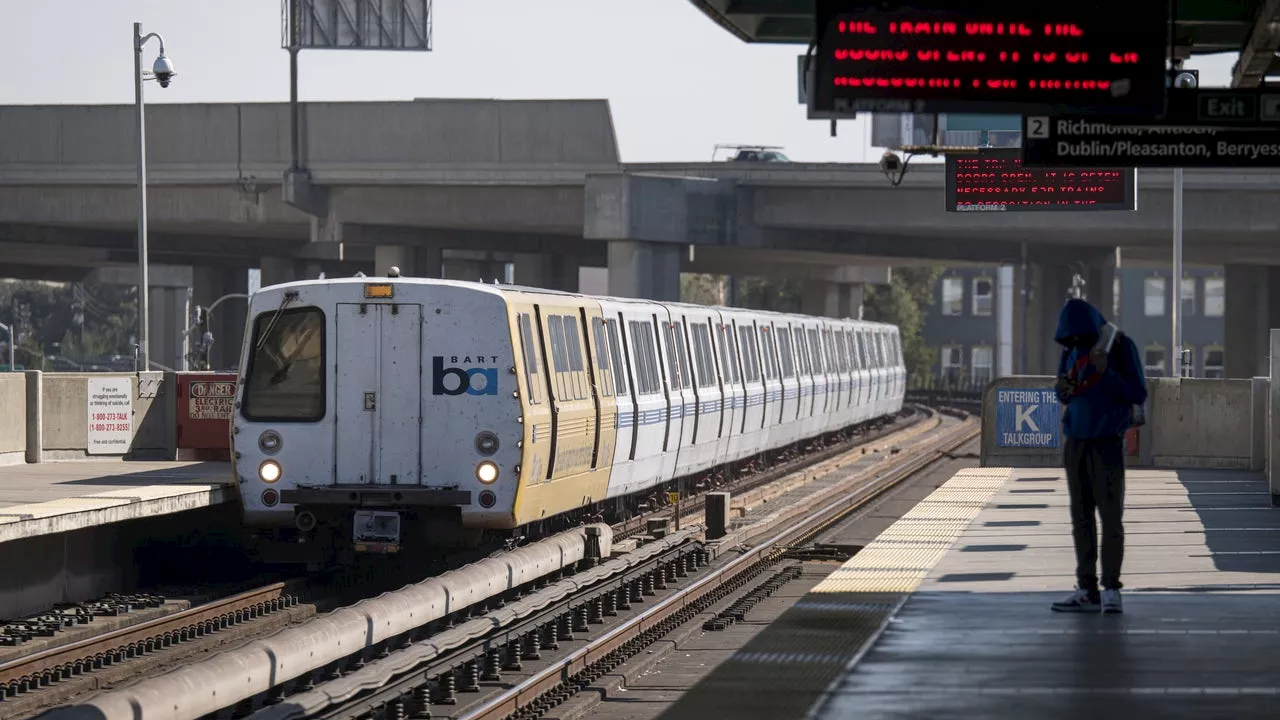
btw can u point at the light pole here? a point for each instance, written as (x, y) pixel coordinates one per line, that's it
(9, 329)
(162, 72)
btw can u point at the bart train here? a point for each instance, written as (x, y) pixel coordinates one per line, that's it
(384, 414)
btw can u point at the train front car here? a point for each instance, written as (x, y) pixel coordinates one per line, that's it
(376, 415)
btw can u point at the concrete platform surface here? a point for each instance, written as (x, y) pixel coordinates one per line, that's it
(55, 497)
(946, 613)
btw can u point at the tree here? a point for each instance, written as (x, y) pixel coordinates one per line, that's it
(905, 302)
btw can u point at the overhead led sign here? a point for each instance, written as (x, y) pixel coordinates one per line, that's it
(995, 180)
(997, 56)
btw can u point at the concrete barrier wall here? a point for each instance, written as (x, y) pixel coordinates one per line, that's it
(1191, 423)
(1201, 423)
(13, 414)
(62, 416)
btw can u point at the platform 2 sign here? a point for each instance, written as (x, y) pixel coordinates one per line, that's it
(996, 180)
(110, 415)
(1030, 418)
(990, 56)
(1065, 141)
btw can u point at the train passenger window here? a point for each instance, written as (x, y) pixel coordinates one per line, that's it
(703, 361)
(802, 352)
(648, 380)
(729, 357)
(750, 354)
(855, 361)
(285, 380)
(604, 376)
(768, 349)
(841, 352)
(615, 353)
(815, 351)
(530, 352)
(573, 347)
(675, 351)
(784, 352)
(559, 356)
(864, 351)
(686, 378)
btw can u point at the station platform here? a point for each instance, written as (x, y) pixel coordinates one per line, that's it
(58, 497)
(946, 613)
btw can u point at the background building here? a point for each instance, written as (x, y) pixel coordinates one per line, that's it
(965, 321)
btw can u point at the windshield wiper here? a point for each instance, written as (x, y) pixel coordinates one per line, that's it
(288, 298)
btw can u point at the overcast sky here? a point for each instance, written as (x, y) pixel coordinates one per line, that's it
(677, 82)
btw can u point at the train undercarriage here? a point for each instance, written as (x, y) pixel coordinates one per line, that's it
(381, 531)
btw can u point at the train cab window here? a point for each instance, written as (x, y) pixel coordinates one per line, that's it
(604, 374)
(615, 354)
(784, 354)
(529, 351)
(285, 380)
(767, 350)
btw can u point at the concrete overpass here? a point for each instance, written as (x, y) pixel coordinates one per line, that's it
(454, 185)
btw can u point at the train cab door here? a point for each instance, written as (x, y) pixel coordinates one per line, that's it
(378, 394)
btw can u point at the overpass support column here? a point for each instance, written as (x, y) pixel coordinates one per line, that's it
(414, 261)
(646, 270)
(170, 312)
(829, 299)
(228, 320)
(278, 270)
(1253, 309)
(473, 266)
(553, 272)
(1050, 283)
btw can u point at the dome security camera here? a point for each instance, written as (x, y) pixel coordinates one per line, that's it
(1185, 81)
(163, 70)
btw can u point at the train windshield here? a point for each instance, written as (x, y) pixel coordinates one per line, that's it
(285, 376)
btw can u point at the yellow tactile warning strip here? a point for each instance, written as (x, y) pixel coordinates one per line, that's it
(785, 670)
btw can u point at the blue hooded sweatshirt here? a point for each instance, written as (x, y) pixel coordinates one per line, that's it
(1103, 409)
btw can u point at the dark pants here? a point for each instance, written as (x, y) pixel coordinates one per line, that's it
(1095, 479)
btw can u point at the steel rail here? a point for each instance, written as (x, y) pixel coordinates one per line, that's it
(629, 528)
(94, 653)
(564, 672)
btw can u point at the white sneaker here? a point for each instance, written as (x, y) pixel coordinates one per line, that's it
(1078, 601)
(1111, 603)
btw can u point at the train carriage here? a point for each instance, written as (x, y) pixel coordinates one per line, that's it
(389, 414)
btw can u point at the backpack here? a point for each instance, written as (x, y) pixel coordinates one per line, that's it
(1138, 414)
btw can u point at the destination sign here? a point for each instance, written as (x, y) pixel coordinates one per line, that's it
(996, 180)
(1052, 142)
(990, 56)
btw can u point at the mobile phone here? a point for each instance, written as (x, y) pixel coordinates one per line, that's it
(1106, 337)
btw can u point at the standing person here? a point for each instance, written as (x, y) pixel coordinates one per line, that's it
(1099, 389)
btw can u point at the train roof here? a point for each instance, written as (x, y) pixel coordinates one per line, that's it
(501, 289)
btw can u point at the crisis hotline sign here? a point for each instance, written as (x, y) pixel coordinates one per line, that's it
(995, 180)
(939, 56)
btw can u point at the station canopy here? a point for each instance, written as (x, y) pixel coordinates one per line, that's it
(1203, 27)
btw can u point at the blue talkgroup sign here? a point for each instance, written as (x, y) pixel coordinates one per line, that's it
(1028, 418)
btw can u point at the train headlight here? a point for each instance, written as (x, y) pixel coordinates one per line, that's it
(269, 442)
(486, 443)
(269, 471)
(487, 472)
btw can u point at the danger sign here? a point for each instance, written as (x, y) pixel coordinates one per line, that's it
(211, 400)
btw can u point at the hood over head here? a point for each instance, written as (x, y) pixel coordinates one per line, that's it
(1078, 320)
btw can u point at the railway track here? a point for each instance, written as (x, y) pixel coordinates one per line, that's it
(634, 612)
(48, 669)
